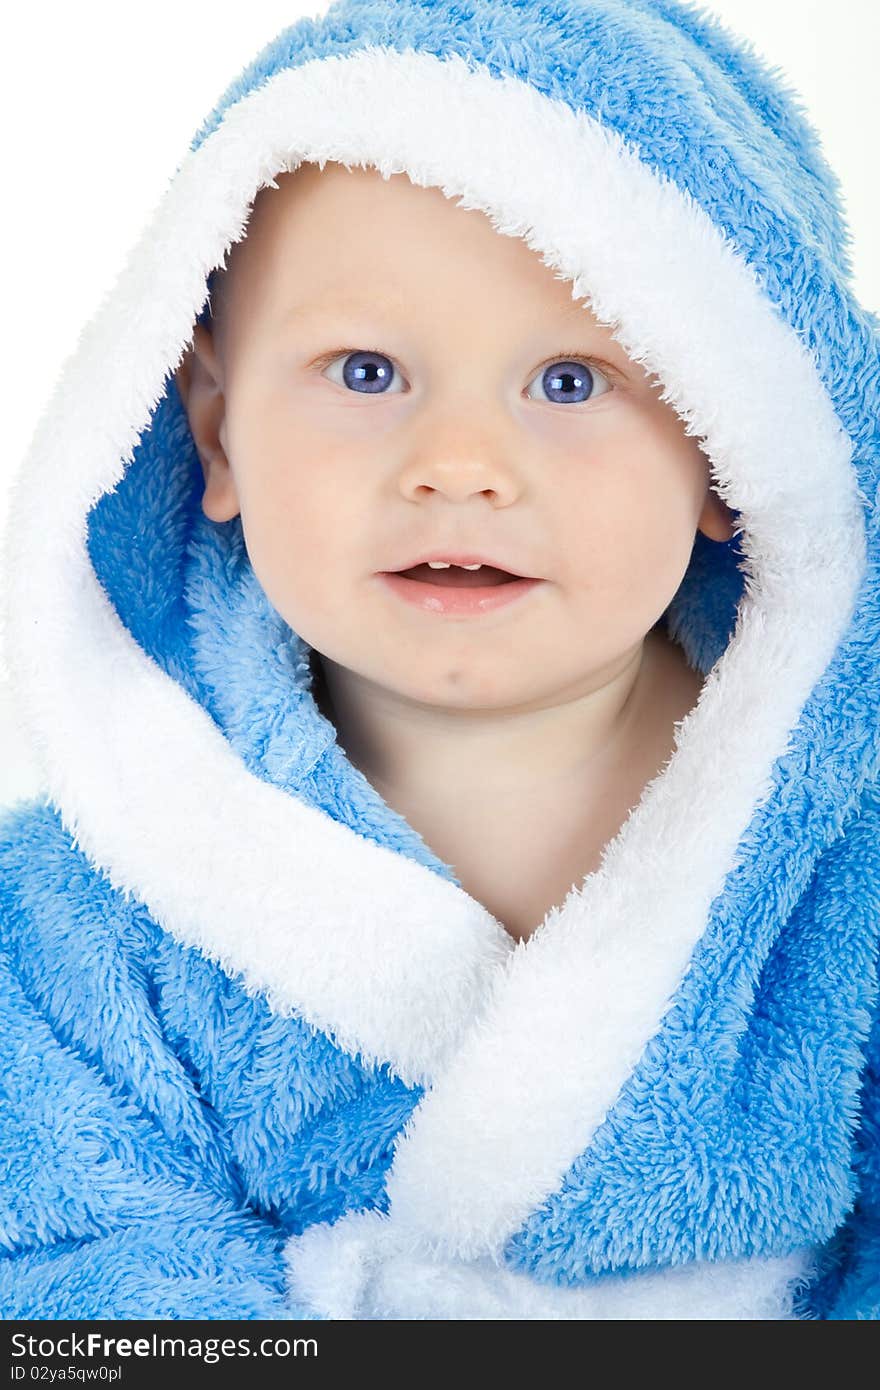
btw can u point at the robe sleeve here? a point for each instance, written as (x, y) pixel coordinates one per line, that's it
(857, 1295)
(99, 1217)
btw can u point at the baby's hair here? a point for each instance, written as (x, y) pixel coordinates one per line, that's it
(209, 311)
(216, 306)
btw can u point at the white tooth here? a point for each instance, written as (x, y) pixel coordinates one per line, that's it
(438, 565)
(471, 567)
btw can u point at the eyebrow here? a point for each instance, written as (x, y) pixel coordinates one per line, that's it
(352, 307)
(356, 308)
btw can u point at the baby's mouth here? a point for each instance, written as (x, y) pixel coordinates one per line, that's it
(457, 578)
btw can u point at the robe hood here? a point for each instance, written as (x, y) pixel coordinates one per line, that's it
(654, 161)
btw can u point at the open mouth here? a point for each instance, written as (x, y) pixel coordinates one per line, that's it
(457, 592)
(456, 578)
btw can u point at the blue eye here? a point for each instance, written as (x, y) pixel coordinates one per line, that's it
(565, 381)
(571, 383)
(369, 373)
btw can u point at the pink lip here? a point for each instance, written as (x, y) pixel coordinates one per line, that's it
(434, 598)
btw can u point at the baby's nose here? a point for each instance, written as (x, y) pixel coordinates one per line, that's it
(459, 470)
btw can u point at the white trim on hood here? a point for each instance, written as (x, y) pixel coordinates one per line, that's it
(379, 951)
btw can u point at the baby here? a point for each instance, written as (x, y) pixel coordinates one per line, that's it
(387, 381)
(443, 598)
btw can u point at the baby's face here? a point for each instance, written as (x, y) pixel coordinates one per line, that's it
(389, 378)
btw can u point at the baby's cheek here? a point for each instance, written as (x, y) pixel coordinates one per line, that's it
(599, 537)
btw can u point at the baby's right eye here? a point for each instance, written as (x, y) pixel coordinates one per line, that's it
(367, 372)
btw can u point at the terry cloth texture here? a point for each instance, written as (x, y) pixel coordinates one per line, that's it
(263, 1056)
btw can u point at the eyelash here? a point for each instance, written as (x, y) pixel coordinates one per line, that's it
(605, 367)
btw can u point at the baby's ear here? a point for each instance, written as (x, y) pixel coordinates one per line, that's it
(717, 520)
(199, 381)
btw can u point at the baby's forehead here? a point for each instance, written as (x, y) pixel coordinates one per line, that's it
(383, 221)
(327, 237)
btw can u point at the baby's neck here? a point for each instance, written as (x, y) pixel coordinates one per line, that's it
(520, 804)
(409, 747)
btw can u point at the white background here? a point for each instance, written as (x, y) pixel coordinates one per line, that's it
(100, 101)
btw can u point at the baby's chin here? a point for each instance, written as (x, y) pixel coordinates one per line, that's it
(458, 691)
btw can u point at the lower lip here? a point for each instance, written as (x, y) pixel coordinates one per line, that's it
(436, 598)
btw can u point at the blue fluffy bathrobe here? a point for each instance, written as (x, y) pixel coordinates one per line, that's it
(262, 1055)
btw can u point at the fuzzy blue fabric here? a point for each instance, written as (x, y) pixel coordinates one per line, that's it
(164, 1133)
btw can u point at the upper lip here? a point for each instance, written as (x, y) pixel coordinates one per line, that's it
(454, 557)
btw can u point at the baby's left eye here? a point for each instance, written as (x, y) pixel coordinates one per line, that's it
(568, 382)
